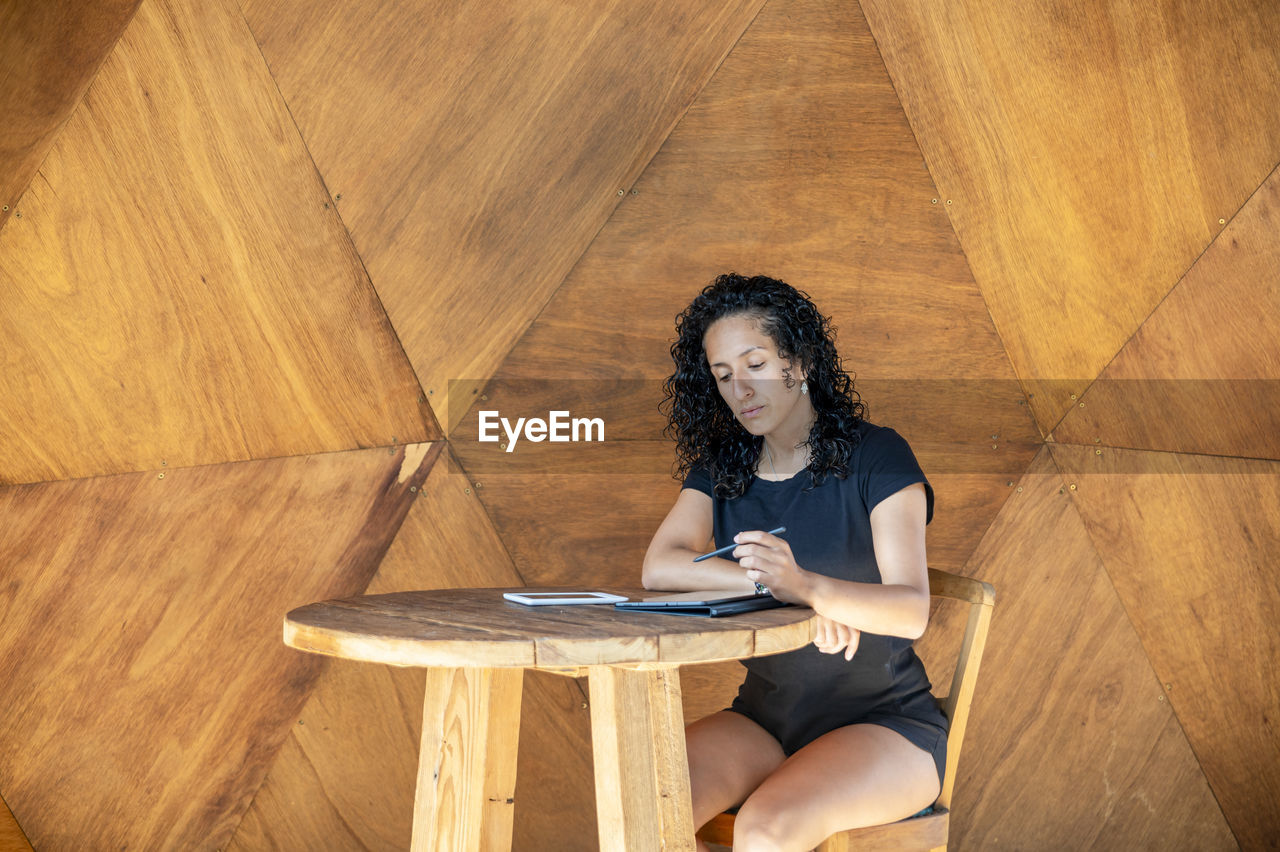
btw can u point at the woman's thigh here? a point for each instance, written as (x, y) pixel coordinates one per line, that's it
(729, 755)
(851, 777)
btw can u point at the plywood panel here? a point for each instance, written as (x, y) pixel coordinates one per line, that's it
(11, 837)
(1191, 543)
(49, 53)
(147, 686)
(1086, 154)
(1202, 374)
(478, 148)
(1071, 741)
(345, 778)
(179, 288)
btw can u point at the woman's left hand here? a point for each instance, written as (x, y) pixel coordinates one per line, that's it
(768, 561)
(832, 637)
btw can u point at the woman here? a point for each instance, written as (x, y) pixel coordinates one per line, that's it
(770, 433)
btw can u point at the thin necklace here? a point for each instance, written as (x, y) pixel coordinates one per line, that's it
(770, 455)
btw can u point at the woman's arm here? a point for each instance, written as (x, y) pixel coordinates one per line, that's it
(898, 606)
(668, 563)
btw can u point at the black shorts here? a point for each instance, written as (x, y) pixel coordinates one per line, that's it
(903, 717)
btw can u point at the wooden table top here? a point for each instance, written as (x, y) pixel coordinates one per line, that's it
(478, 628)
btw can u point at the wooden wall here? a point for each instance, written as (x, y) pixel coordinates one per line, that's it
(264, 261)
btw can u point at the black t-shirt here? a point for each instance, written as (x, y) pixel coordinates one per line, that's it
(801, 694)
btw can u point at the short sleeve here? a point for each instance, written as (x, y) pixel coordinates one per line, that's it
(699, 479)
(886, 466)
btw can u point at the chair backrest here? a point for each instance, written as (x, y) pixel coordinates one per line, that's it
(981, 597)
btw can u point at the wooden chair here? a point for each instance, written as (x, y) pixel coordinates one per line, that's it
(927, 832)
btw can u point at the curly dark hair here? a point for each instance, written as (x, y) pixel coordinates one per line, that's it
(705, 429)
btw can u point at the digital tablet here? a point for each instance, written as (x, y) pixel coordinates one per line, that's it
(562, 598)
(706, 604)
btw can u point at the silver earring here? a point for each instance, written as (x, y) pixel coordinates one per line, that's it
(804, 387)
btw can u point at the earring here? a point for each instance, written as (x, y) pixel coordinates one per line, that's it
(804, 387)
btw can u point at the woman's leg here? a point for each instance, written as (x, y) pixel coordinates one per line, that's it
(729, 755)
(851, 777)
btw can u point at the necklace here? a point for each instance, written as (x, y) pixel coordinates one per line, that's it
(770, 455)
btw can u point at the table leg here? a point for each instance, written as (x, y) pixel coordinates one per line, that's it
(465, 796)
(642, 773)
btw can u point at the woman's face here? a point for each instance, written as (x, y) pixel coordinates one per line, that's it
(749, 373)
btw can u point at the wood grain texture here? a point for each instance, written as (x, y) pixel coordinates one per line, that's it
(1202, 374)
(176, 289)
(11, 837)
(1086, 155)
(467, 763)
(1071, 741)
(478, 148)
(147, 689)
(346, 775)
(1191, 544)
(642, 780)
(49, 53)
(477, 628)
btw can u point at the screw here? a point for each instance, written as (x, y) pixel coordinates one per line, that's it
(413, 489)
(1019, 489)
(430, 392)
(485, 397)
(466, 491)
(338, 197)
(1097, 452)
(1222, 221)
(635, 192)
(934, 201)
(163, 463)
(479, 486)
(1073, 396)
(1073, 486)
(160, 475)
(948, 201)
(1082, 405)
(1009, 483)
(621, 192)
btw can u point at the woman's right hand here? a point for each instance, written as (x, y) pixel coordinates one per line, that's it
(832, 637)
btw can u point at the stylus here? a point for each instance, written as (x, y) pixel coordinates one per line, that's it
(729, 547)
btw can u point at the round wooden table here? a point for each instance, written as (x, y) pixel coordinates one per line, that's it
(475, 646)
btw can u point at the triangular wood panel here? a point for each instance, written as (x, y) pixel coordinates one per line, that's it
(1086, 156)
(345, 777)
(1202, 375)
(796, 161)
(1071, 743)
(146, 686)
(12, 839)
(478, 148)
(179, 289)
(1191, 544)
(49, 53)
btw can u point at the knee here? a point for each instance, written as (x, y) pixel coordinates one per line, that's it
(761, 828)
